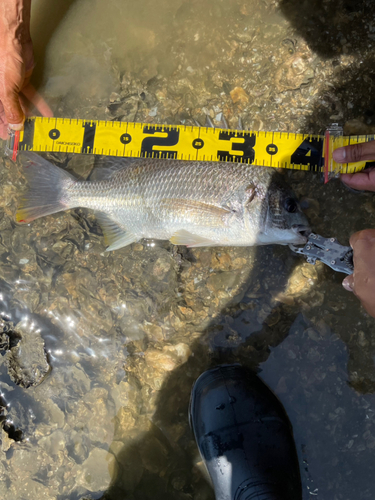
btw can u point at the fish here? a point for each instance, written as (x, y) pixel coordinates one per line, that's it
(191, 203)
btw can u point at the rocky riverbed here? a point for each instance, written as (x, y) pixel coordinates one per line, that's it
(100, 350)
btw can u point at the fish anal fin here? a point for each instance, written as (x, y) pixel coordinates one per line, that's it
(115, 235)
(183, 237)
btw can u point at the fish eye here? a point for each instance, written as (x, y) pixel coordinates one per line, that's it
(290, 205)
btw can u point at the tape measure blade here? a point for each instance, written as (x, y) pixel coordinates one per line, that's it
(113, 138)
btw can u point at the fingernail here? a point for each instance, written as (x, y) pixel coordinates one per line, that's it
(15, 126)
(347, 285)
(339, 155)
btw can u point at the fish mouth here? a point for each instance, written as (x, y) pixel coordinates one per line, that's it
(302, 232)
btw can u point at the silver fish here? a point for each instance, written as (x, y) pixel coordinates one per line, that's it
(189, 203)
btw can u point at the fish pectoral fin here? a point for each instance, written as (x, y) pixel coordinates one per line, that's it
(115, 236)
(183, 237)
(202, 213)
(250, 193)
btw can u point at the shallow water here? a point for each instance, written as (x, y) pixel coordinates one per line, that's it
(128, 332)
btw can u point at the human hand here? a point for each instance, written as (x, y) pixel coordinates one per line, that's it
(357, 152)
(16, 66)
(362, 281)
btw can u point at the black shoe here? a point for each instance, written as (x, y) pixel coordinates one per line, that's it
(244, 436)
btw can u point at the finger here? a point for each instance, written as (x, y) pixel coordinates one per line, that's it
(348, 283)
(13, 111)
(363, 181)
(356, 152)
(365, 235)
(37, 100)
(3, 131)
(3, 124)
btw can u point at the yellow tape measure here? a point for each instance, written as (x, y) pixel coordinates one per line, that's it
(182, 142)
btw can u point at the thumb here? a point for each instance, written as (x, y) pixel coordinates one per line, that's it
(364, 181)
(348, 283)
(13, 111)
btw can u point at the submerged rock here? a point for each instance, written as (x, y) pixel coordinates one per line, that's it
(96, 471)
(27, 361)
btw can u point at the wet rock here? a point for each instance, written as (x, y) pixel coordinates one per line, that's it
(124, 420)
(302, 278)
(167, 359)
(313, 334)
(227, 337)
(5, 441)
(162, 267)
(154, 331)
(4, 342)
(81, 165)
(27, 361)
(29, 489)
(239, 96)
(128, 466)
(154, 455)
(223, 280)
(101, 413)
(53, 414)
(93, 414)
(114, 97)
(127, 394)
(358, 127)
(54, 443)
(96, 471)
(294, 72)
(28, 459)
(273, 317)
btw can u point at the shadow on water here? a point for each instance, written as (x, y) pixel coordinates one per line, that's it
(330, 28)
(334, 29)
(163, 462)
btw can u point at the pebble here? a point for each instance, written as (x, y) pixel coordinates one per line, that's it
(239, 96)
(153, 111)
(168, 358)
(114, 97)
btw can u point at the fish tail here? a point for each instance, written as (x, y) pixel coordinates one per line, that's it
(48, 185)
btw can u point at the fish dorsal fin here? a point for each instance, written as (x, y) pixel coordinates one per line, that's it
(183, 237)
(115, 235)
(106, 166)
